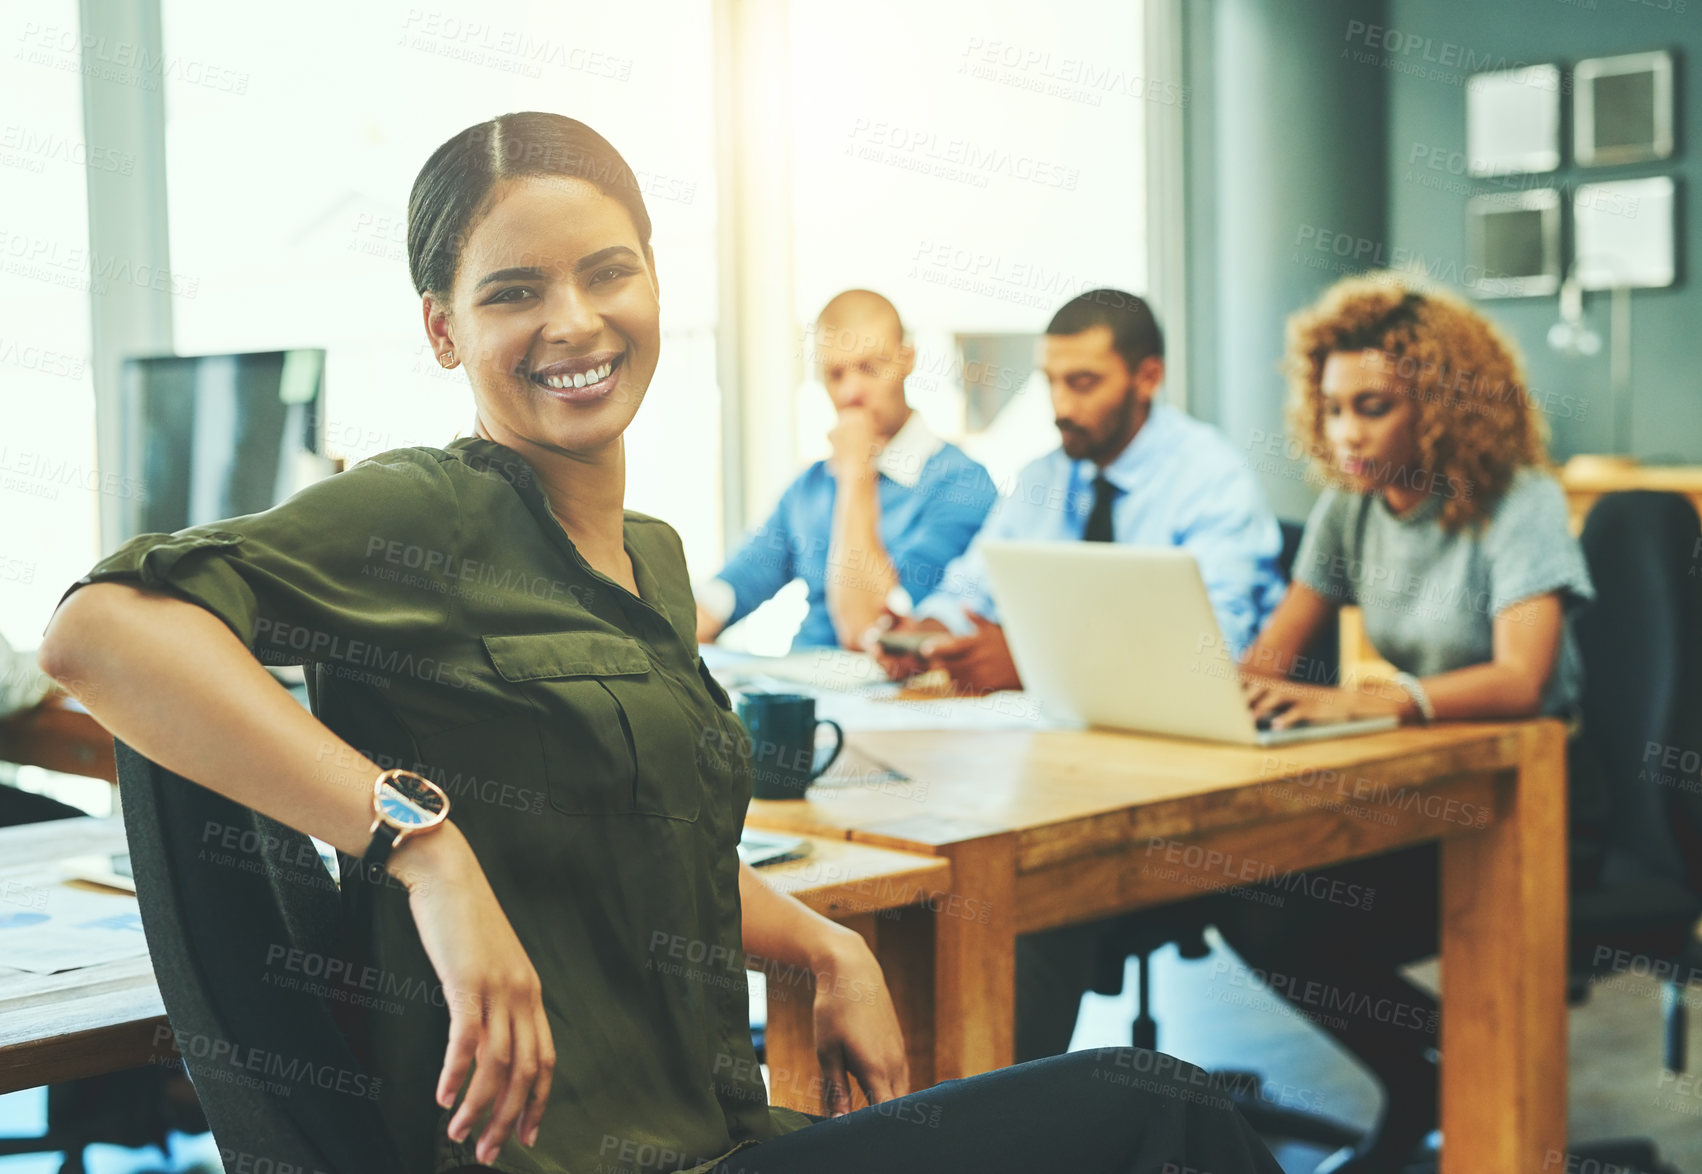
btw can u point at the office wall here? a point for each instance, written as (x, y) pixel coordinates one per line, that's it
(1286, 143)
(1426, 210)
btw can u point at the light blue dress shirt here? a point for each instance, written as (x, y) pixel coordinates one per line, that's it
(1182, 484)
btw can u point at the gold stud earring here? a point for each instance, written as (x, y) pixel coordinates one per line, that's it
(448, 358)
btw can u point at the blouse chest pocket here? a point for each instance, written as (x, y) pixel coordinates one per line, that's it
(615, 740)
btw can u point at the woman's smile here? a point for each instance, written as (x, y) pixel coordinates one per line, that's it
(583, 379)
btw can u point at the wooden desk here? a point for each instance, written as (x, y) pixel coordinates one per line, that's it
(1585, 485)
(889, 898)
(54, 1027)
(1048, 828)
(104, 1018)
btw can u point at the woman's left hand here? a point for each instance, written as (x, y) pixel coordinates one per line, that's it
(1291, 703)
(857, 1032)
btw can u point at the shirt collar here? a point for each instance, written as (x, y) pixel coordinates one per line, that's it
(910, 448)
(1136, 460)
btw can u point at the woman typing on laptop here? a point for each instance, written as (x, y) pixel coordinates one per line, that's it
(1441, 523)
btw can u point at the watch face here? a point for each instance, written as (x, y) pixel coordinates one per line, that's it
(408, 801)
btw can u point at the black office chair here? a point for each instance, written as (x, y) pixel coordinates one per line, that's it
(256, 1051)
(135, 1109)
(1642, 647)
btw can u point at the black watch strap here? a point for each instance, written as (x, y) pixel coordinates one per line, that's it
(377, 853)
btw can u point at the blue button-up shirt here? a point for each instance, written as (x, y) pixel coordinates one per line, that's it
(933, 498)
(1182, 484)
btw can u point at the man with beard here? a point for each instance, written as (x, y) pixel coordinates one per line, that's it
(1130, 470)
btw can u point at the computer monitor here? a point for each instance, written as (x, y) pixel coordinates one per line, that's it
(207, 437)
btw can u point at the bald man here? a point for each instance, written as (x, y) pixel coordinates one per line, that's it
(875, 524)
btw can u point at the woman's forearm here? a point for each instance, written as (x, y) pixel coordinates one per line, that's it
(780, 929)
(171, 680)
(1487, 690)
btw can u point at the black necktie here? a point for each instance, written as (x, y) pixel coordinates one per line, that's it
(1099, 521)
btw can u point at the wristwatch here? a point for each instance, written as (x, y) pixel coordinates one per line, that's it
(403, 804)
(1415, 690)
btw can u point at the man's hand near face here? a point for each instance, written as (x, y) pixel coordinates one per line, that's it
(855, 442)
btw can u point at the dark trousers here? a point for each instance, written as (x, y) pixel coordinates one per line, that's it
(1091, 1112)
(1110, 1111)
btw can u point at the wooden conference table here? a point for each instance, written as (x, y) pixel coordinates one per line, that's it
(105, 1018)
(1044, 828)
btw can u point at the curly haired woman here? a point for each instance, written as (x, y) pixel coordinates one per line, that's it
(1441, 522)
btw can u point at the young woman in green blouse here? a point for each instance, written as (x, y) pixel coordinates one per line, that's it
(489, 614)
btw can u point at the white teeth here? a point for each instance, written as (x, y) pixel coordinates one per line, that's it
(584, 379)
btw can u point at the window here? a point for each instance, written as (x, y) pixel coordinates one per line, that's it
(49, 487)
(979, 164)
(288, 199)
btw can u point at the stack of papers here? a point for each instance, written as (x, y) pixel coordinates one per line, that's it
(48, 928)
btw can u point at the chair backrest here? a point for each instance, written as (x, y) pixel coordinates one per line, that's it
(226, 894)
(1641, 642)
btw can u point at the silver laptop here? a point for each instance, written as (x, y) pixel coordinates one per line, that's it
(1111, 635)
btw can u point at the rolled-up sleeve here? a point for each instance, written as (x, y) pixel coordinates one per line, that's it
(342, 558)
(953, 514)
(763, 563)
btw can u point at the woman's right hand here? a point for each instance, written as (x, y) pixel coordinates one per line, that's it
(496, 1010)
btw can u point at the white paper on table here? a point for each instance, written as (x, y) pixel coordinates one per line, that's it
(49, 928)
(860, 713)
(850, 688)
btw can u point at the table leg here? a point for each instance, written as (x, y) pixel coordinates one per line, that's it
(1504, 973)
(903, 942)
(975, 970)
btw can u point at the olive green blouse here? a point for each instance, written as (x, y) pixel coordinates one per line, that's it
(451, 627)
